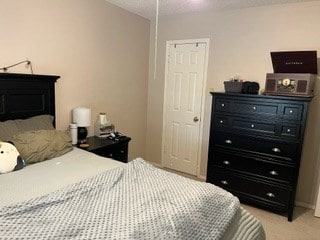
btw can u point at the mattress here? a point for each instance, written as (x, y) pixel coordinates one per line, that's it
(41, 178)
(49, 176)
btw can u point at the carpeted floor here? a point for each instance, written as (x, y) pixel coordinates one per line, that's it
(304, 225)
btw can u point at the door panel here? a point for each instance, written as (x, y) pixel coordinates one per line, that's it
(183, 94)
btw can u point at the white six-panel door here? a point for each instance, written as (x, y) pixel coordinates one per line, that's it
(186, 66)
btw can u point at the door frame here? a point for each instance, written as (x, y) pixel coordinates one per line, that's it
(186, 41)
(317, 190)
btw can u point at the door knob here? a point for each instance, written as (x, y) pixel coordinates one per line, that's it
(195, 119)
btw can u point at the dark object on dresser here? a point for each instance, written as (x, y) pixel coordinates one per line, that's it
(255, 147)
(117, 150)
(250, 88)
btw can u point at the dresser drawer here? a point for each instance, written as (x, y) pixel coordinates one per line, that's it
(121, 152)
(104, 152)
(256, 126)
(222, 105)
(254, 166)
(285, 150)
(246, 107)
(264, 108)
(253, 189)
(222, 122)
(110, 149)
(258, 108)
(244, 125)
(292, 111)
(291, 131)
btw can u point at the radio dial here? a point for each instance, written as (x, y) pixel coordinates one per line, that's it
(286, 82)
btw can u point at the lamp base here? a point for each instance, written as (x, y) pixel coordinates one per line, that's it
(82, 135)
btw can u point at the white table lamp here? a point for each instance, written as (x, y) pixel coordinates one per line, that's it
(82, 117)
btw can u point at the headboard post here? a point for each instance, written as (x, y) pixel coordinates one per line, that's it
(26, 95)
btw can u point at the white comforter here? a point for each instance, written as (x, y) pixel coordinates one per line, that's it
(40, 179)
(137, 201)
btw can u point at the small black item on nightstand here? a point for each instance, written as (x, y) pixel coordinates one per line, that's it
(111, 148)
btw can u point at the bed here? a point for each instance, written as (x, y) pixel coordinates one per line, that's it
(79, 195)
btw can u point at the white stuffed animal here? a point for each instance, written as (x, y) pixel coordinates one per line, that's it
(10, 159)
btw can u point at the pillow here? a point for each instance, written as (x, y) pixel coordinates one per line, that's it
(11, 127)
(40, 145)
(10, 159)
(41, 122)
(8, 129)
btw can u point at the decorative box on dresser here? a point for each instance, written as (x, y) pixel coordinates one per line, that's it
(255, 147)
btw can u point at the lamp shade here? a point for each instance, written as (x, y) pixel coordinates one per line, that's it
(81, 116)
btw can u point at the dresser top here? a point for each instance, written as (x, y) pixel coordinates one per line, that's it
(259, 96)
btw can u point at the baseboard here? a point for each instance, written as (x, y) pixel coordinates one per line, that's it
(305, 205)
(200, 178)
(155, 164)
(203, 178)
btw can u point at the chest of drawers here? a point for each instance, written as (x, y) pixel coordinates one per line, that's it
(255, 147)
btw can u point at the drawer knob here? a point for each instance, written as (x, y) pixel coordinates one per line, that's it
(291, 111)
(222, 105)
(276, 150)
(288, 130)
(226, 162)
(228, 141)
(254, 108)
(121, 151)
(221, 121)
(252, 125)
(271, 195)
(224, 182)
(274, 173)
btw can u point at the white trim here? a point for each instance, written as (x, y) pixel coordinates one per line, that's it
(205, 73)
(202, 177)
(164, 102)
(156, 43)
(156, 164)
(317, 189)
(317, 205)
(305, 205)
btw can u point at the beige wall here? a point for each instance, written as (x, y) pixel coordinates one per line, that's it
(99, 50)
(240, 44)
(101, 53)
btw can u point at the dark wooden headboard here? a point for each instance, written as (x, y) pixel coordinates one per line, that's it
(26, 95)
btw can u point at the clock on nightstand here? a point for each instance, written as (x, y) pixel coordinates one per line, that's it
(116, 149)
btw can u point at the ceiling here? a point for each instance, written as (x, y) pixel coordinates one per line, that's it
(147, 8)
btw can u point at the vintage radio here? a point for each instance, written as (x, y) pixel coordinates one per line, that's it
(295, 73)
(290, 84)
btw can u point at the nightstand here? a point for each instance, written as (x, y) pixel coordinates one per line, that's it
(118, 150)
